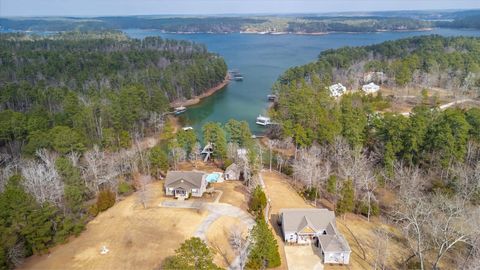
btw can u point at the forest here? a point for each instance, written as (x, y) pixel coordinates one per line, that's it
(350, 151)
(71, 91)
(426, 61)
(74, 110)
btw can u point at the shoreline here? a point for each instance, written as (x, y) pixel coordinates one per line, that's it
(197, 99)
(247, 32)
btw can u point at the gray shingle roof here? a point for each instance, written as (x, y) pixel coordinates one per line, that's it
(333, 243)
(193, 178)
(233, 167)
(294, 220)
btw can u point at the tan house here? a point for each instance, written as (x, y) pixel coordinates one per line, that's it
(182, 184)
(315, 226)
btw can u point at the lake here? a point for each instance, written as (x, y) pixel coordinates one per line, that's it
(261, 59)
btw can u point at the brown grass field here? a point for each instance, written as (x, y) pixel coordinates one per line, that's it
(137, 238)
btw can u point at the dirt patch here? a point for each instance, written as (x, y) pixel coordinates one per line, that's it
(218, 236)
(137, 238)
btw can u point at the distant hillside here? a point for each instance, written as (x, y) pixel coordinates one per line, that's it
(102, 61)
(428, 61)
(273, 24)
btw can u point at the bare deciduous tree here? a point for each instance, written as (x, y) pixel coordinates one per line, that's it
(414, 212)
(451, 223)
(42, 179)
(143, 192)
(382, 238)
(240, 245)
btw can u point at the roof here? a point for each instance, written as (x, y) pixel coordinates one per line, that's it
(333, 243)
(193, 178)
(233, 167)
(371, 85)
(296, 220)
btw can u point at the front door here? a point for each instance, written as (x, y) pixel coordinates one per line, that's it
(180, 192)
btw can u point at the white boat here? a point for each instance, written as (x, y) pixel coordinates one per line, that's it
(263, 120)
(187, 128)
(179, 110)
(271, 97)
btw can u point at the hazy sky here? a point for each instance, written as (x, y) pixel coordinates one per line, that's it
(145, 7)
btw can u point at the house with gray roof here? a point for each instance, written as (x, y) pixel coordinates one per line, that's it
(182, 184)
(318, 227)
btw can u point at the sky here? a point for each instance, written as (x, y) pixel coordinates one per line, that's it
(11, 8)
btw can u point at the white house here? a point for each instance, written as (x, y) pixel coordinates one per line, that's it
(337, 90)
(370, 88)
(318, 227)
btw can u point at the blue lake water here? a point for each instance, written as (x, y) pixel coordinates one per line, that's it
(261, 59)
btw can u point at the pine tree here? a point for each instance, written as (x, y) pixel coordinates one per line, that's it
(264, 247)
(193, 254)
(347, 200)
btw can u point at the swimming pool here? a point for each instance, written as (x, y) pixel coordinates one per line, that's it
(214, 177)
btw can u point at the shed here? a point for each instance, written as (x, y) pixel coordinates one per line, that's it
(232, 172)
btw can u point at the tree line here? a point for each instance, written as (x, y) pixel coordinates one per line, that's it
(306, 24)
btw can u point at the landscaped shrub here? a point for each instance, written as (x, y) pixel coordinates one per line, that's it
(105, 200)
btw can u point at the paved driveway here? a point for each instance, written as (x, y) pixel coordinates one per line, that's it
(303, 258)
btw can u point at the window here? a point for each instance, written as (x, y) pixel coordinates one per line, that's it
(194, 190)
(170, 188)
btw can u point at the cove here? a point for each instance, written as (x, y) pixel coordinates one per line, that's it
(261, 59)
